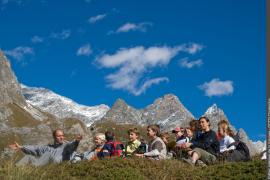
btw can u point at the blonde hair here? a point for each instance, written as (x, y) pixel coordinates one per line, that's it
(225, 125)
(101, 136)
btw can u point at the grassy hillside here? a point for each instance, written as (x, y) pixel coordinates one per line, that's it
(136, 169)
(133, 168)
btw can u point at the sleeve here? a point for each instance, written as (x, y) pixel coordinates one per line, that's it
(105, 151)
(35, 150)
(89, 155)
(72, 146)
(230, 141)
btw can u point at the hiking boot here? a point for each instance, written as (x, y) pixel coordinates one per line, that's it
(200, 163)
(189, 161)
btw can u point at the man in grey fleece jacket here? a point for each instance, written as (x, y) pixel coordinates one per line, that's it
(57, 152)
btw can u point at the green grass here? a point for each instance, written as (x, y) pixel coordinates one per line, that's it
(136, 168)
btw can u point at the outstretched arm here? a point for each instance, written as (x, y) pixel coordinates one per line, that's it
(29, 149)
(15, 146)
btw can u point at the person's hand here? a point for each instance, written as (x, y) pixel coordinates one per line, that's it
(78, 137)
(186, 145)
(139, 155)
(15, 146)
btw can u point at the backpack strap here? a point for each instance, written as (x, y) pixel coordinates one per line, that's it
(233, 144)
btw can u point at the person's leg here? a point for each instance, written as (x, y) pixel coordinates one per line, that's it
(195, 155)
(27, 159)
(207, 157)
(43, 160)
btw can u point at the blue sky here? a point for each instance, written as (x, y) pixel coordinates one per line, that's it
(95, 51)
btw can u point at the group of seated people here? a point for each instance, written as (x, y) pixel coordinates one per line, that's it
(196, 145)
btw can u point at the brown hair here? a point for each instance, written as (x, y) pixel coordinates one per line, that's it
(164, 135)
(109, 136)
(225, 125)
(55, 131)
(194, 124)
(154, 128)
(134, 130)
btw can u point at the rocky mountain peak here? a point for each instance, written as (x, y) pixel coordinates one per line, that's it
(168, 112)
(120, 103)
(121, 112)
(213, 109)
(9, 86)
(215, 114)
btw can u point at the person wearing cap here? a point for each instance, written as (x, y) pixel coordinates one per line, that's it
(180, 140)
(179, 134)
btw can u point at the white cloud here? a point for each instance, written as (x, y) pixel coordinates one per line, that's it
(19, 52)
(132, 63)
(147, 84)
(185, 63)
(61, 35)
(36, 39)
(84, 50)
(94, 19)
(194, 48)
(217, 88)
(132, 27)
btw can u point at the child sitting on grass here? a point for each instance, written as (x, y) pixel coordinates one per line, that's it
(133, 143)
(169, 147)
(156, 148)
(188, 134)
(226, 136)
(114, 148)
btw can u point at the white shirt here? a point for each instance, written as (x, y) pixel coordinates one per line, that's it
(225, 142)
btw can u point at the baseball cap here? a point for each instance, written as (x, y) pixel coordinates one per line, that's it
(177, 129)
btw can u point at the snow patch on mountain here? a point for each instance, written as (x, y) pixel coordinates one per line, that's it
(62, 107)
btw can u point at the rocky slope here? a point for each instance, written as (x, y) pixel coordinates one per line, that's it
(24, 123)
(62, 107)
(167, 112)
(9, 86)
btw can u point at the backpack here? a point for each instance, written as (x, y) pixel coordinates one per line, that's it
(117, 148)
(141, 149)
(242, 148)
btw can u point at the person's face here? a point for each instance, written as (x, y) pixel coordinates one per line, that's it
(189, 133)
(165, 140)
(59, 137)
(98, 141)
(133, 136)
(221, 131)
(150, 133)
(204, 124)
(179, 134)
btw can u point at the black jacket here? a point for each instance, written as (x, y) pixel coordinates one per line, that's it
(207, 141)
